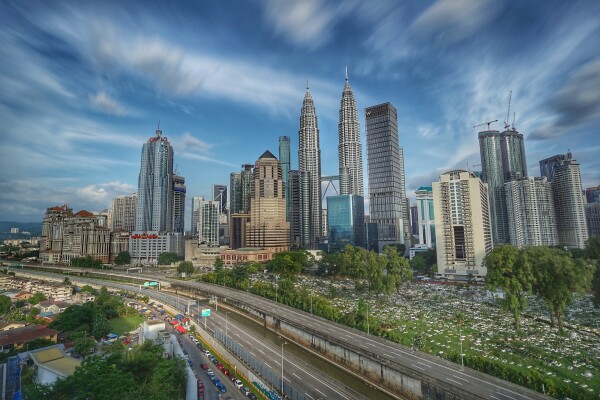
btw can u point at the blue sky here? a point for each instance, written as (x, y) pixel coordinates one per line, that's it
(83, 85)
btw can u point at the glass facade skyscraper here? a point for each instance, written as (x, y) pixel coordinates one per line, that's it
(179, 190)
(309, 160)
(345, 221)
(284, 158)
(385, 165)
(349, 148)
(219, 193)
(502, 160)
(154, 211)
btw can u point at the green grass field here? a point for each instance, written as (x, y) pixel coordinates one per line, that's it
(121, 325)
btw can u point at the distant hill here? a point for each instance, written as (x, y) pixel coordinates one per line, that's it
(35, 228)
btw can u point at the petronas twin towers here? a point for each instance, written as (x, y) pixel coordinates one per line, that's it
(309, 159)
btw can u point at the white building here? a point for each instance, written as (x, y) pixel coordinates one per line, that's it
(530, 210)
(145, 247)
(52, 363)
(462, 220)
(124, 213)
(425, 217)
(208, 222)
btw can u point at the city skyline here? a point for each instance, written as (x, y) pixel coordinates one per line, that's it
(84, 86)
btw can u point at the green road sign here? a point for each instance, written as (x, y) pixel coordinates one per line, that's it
(206, 313)
(150, 283)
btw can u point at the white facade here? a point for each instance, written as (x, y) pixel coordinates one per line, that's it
(145, 247)
(462, 220)
(425, 217)
(208, 222)
(123, 212)
(530, 210)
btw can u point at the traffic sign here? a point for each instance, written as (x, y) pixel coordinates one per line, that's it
(206, 313)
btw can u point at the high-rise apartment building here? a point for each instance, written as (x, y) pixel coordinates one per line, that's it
(155, 186)
(502, 160)
(425, 217)
(268, 227)
(462, 221)
(195, 214)
(385, 165)
(208, 222)
(530, 211)
(284, 159)
(345, 221)
(295, 218)
(309, 160)
(179, 191)
(349, 148)
(219, 193)
(565, 177)
(124, 212)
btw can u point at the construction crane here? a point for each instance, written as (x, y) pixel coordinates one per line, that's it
(488, 124)
(506, 122)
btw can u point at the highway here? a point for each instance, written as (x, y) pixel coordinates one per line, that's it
(474, 383)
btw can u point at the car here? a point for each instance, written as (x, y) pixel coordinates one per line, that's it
(221, 388)
(245, 390)
(190, 362)
(207, 353)
(204, 366)
(238, 384)
(220, 366)
(210, 372)
(251, 396)
(233, 378)
(215, 361)
(185, 352)
(226, 371)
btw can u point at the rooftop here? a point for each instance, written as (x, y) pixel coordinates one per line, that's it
(25, 334)
(55, 360)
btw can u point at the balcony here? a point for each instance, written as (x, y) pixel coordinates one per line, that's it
(449, 271)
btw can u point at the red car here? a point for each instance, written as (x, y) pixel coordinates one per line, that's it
(226, 371)
(204, 366)
(220, 367)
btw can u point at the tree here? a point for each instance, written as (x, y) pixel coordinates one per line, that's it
(168, 258)
(123, 258)
(84, 343)
(218, 264)
(37, 298)
(397, 266)
(557, 277)
(89, 289)
(418, 263)
(5, 304)
(67, 281)
(509, 270)
(592, 252)
(185, 267)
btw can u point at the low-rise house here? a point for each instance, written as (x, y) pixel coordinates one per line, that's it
(18, 338)
(23, 296)
(52, 363)
(55, 307)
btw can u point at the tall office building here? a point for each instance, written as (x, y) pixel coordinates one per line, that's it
(208, 222)
(155, 186)
(502, 160)
(425, 217)
(345, 221)
(462, 221)
(592, 194)
(563, 172)
(284, 158)
(385, 165)
(179, 191)
(592, 218)
(267, 227)
(295, 219)
(124, 212)
(219, 193)
(530, 211)
(309, 160)
(349, 148)
(196, 201)
(235, 192)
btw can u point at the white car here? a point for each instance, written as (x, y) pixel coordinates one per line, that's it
(238, 384)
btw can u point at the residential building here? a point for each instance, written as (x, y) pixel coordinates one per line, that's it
(294, 211)
(179, 191)
(268, 227)
(17, 338)
(219, 193)
(463, 226)
(146, 246)
(51, 242)
(502, 160)
(309, 160)
(119, 242)
(530, 211)
(425, 217)
(349, 147)
(284, 159)
(385, 165)
(208, 222)
(195, 214)
(124, 212)
(154, 211)
(345, 221)
(565, 177)
(84, 236)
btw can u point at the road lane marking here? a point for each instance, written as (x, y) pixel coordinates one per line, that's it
(462, 379)
(452, 380)
(268, 366)
(505, 395)
(417, 367)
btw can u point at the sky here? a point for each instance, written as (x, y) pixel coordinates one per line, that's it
(84, 84)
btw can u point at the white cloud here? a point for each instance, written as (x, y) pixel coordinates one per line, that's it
(104, 102)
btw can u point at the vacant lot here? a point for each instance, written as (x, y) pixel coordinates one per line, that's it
(121, 325)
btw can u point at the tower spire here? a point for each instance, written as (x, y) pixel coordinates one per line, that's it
(307, 83)
(346, 73)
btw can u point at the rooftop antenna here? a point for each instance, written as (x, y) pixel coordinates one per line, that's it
(506, 124)
(307, 83)
(513, 124)
(346, 73)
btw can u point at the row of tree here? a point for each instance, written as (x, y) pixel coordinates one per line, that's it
(552, 274)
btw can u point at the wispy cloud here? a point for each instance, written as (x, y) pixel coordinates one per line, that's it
(107, 104)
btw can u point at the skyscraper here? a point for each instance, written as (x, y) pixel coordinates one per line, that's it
(179, 190)
(309, 160)
(284, 158)
(196, 201)
(345, 221)
(295, 220)
(208, 222)
(385, 165)
(155, 186)
(563, 171)
(349, 148)
(219, 193)
(462, 221)
(267, 227)
(235, 192)
(123, 212)
(592, 194)
(502, 160)
(425, 216)
(530, 211)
